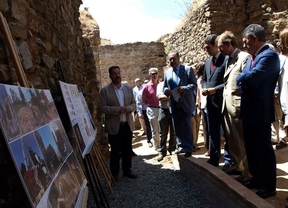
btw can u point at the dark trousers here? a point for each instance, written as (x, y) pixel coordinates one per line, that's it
(121, 148)
(148, 127)
(260, 154)
(166, 123)
(205, 128)
(215, 120)
(183, 130)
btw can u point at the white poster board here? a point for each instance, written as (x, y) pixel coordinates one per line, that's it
(44, 159)
(80, 117)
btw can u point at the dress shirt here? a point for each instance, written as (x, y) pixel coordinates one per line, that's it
(136, 90)
(163, 103)
(120, 95)
(139, 105)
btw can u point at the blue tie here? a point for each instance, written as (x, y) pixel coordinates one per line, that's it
(175, 78)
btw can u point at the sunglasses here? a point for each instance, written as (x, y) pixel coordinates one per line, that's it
(153, 74)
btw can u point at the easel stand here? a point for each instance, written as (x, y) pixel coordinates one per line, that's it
(93, 178)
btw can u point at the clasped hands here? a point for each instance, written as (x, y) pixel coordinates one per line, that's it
(209, 91)
(124, 109)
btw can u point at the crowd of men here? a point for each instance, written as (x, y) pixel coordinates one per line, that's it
(238, 95)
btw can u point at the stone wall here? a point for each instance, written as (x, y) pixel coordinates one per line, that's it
(134, 59)
(215, 16)
(52, 47)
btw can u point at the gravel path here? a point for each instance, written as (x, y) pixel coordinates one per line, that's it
(159, 184)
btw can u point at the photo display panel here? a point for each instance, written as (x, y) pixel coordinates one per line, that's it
(80, 117)
(43, 156)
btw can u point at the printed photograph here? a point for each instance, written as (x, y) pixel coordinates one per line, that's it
(8, 118)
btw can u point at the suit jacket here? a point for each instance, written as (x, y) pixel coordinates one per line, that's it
(215, 79)
(188, 81)
(109, 104)
(257, 85)
(231, 92)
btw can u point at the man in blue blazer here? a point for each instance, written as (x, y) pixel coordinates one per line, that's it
(180, 84)
(213, 88)
(257, 83)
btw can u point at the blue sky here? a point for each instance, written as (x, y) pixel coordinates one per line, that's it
(124, 21)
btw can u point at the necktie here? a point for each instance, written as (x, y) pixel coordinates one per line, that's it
(229, 60)
(252, 61)
(212, 64)
(175, 77)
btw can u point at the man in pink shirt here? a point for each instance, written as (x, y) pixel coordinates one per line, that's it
(150, 99)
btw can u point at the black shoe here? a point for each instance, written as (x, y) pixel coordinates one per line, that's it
(133, 154)
(241, 179)
(227, 167)
(234, 172)
(179, 151)
(130, 175)
(187, 154)
(251, 183)
(281, 145)
(161, 157)
(214, 163)
(265, 194)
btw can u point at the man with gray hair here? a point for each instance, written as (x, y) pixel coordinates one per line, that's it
(136, 90)
(150, 99)
(257, 83)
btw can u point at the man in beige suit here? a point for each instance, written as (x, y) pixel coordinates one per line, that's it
(227, 44)
(116, 100)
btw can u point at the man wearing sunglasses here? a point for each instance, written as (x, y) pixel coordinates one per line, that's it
(150, 99)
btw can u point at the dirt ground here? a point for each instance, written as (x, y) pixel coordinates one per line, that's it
(281, 156)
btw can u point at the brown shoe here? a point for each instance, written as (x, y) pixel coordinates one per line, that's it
(150, 144)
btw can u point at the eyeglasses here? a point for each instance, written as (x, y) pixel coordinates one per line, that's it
(153, 74)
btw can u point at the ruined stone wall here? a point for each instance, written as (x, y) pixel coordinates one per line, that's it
(134, 59)
(215, 16)
(52, 46)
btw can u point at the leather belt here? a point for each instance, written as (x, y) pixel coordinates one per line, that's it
(153, 106)
(123, 123)
(164, 108)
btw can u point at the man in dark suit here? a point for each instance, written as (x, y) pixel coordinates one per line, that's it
(257, 83)
(180, 84)
(117, 101)
(213, 88)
